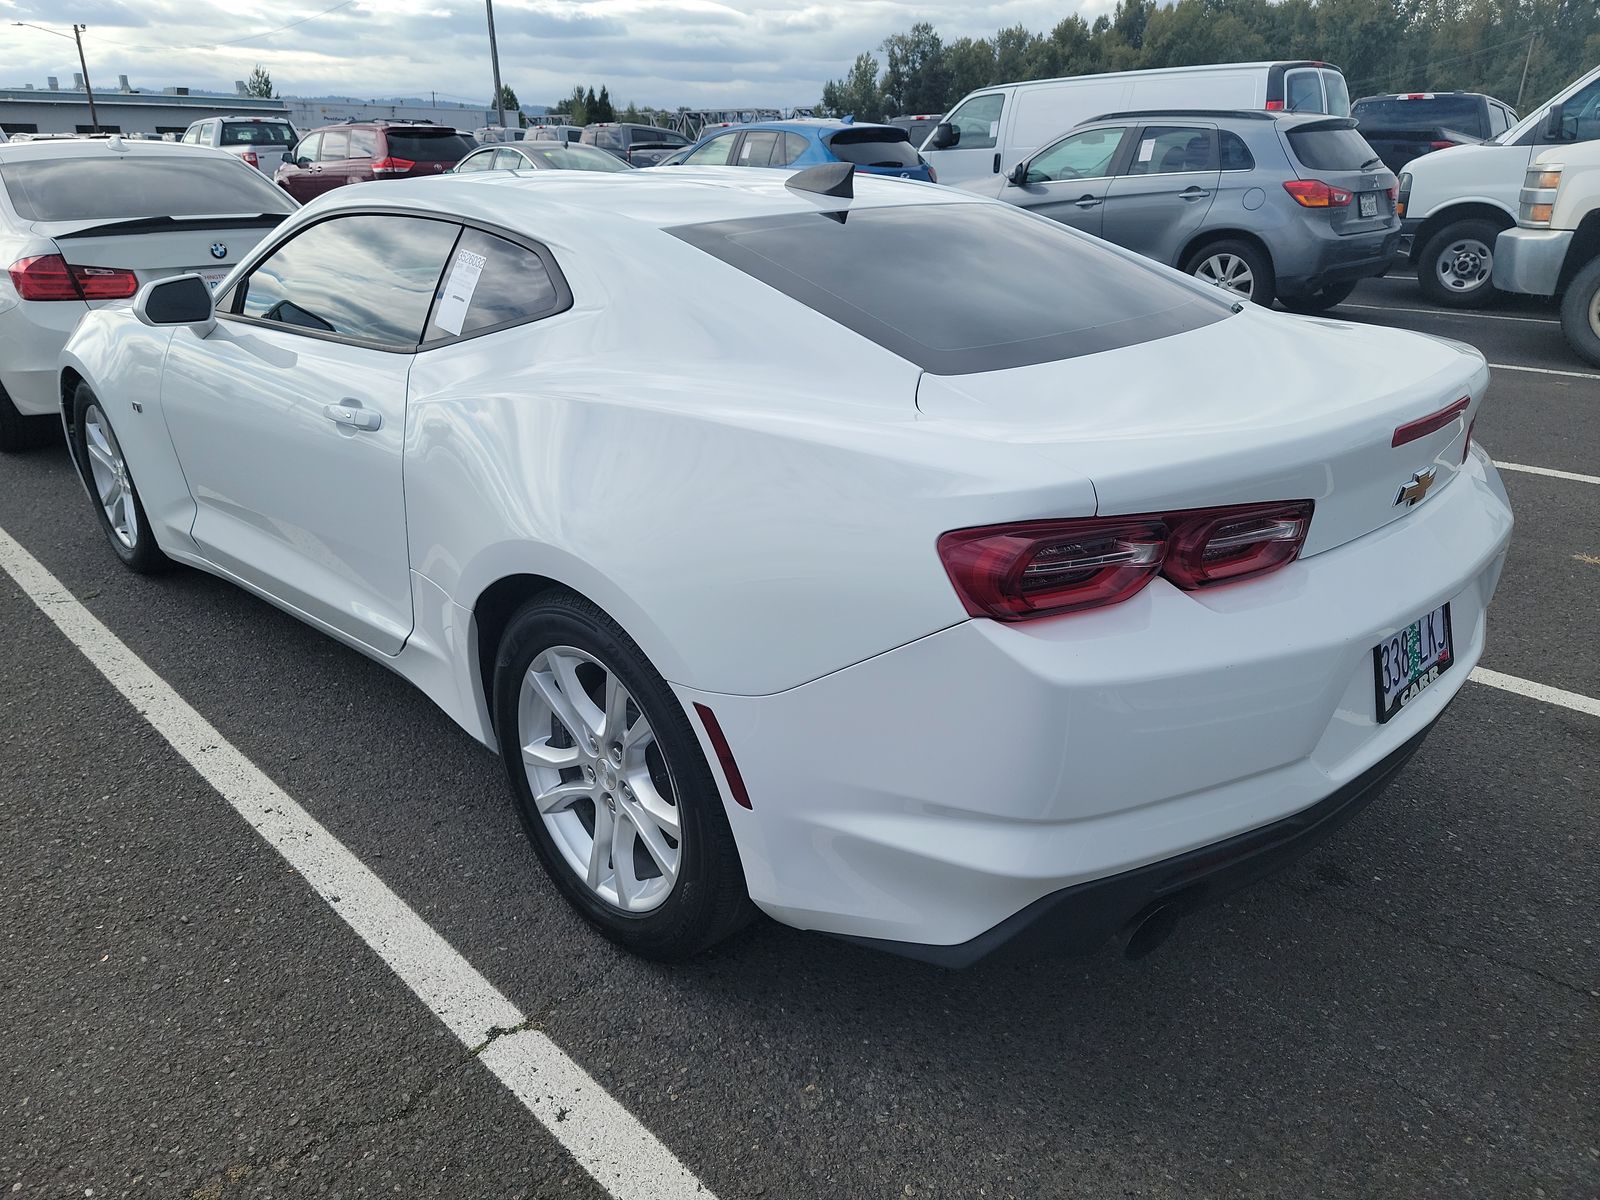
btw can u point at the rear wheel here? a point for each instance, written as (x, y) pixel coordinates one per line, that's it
(1457, 264)
(1320, 300)
(1236, 267)
(1580, 312)
(19, 432)
(611, 785)
(116, 499)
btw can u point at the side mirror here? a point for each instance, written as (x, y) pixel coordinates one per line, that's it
(1554, 125)
(183, 300)
(302, 162)
(945, 135)
(1019, 175)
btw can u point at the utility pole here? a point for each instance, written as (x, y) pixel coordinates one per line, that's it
(77, 36)
(1525, 64)
(494, 61)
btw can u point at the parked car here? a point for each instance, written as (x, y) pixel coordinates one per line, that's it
(1408, 125)
(995, 128)
(1265, 205)
(83, 223)
(1555, 248)
(1153, 537)
(260, 141)
(873, 149)
(492, 134)
(555, 133)
(336, 155)
(539, 156)
(638, 145)
(1455, 203)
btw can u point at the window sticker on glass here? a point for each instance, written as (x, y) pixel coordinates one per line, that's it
(459, 286)
(1146, 149)
(994, 129)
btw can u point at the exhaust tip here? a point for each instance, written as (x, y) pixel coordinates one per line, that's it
(1149, 929)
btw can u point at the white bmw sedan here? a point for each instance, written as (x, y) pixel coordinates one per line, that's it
(84, 222)
(901, 565)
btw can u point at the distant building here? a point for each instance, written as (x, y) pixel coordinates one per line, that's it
(308, 112)
(123, 109)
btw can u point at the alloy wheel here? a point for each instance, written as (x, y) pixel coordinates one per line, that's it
(1228, 272)
(1594, 312)
(110, 472)
(599, 779)
(1465, 265)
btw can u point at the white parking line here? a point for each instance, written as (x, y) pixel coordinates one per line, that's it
(1537, 691)
(1550, 471)
(1543, 371)
(607, 1141)
(1454, 312)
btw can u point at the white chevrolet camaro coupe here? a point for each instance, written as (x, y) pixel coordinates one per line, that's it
(899, 564)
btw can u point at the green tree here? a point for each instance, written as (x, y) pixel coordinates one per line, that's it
(259, 84)
(508, 99)
(857, 93)
(574, 106)
(914, 78)
(603, 109)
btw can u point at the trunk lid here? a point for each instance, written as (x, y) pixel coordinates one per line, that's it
(156, 247)
(1259, 407)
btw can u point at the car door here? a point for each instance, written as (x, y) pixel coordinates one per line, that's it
(360, 155)
(332, 168)
(757, 148)
(1067, 181)
(289, 419)
(295, 174)
(973, 159)
(1160, 198)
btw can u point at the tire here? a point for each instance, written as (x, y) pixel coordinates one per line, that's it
(19, 432)
(1580, 312)
(1229, 257)
(559, 645)
(1320, 300)
(1455, 266)
(111, 487)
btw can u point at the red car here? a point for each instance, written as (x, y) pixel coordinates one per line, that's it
(335, 155)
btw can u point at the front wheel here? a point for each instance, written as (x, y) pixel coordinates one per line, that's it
(1320, 300)
(117, 502)
(1580, 313)
(611, 784)
(1236, 267)
(1456, 266)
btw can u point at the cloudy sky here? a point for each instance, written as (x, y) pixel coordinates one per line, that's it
(696, 52)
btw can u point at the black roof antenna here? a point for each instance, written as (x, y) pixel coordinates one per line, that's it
(827, 179)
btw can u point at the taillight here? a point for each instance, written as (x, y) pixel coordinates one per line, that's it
(391, 166)
(250, 157)
(1394, 195)
(1432, 423)
(49, 277)
(933, 176)
(1044, 568)
(1313, 193)
(1274, 105)
(1440, 145)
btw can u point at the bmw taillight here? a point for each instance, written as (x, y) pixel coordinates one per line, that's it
(1045, 568)
(1313, 193)
(51, 277)
(252, 159)
(391, 166)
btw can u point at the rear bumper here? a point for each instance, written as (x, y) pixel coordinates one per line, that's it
(1079, 920)
(31, 336)
(1342, 259)
(1530, 260)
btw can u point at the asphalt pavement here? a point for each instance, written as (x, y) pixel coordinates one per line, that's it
(1411, 1011)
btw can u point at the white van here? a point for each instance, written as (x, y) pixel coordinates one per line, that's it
(995, 128)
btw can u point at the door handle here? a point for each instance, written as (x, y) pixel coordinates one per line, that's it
(996, 163)
(1086, 201)
(351, 415)
(1193, 193)
(316, 167)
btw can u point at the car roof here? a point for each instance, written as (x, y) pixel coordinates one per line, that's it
(1291, 119)
(814, 125)
(659, 199)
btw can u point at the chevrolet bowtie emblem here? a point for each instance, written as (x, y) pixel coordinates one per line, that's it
(1415, 488)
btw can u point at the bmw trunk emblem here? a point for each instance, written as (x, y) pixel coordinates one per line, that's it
(218, 250)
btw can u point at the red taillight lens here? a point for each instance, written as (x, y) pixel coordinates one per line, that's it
(933, 176)
(1044, 568)
(1432, 423)
(1234, 542)
(1274, 105)
(1394, 195)
(391, 166)
(49, 277)
(251, 157)
(1313, 193)
(1440, 145)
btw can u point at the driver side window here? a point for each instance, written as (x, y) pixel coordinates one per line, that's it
(1086, 155)
(1580, 115)
(979, 122)
(308, 148)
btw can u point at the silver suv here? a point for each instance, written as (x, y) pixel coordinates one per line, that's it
(1292, 207)
(260, 141)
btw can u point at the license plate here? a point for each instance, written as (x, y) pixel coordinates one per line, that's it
(1406, 664)
(1369, 204)
(213, 278)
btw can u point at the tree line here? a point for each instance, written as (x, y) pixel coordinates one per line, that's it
(586, 107)
(1381, 46)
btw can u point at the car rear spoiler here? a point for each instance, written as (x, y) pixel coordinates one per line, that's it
(82, 229)
(1324, 123)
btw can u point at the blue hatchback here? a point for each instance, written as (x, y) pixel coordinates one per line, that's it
(877, 149)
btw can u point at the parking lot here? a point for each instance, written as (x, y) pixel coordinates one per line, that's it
(1413, 1010)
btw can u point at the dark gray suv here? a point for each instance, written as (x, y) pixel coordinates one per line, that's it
(1293, 207)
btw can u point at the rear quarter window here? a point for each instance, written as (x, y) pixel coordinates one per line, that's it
(491, 283)
(1331, 149)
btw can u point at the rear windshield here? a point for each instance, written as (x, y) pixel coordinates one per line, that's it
(874, 147)
(257, 133)
(657, 137)
(1332, 149)
(427, 145)
(558, 157)
(118, 187)
(1004, 289)
(1461, 113)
